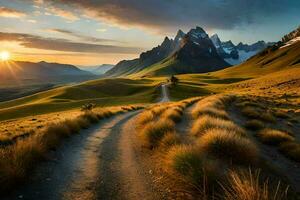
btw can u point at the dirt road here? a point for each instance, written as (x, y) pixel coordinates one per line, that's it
(98, 163)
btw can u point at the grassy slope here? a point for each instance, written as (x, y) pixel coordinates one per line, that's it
(259, 65)
(271, 74)
(105, 92)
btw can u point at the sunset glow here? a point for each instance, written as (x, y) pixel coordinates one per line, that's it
(5, 55)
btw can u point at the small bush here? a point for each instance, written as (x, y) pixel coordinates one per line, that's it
(281, 114)
(170, 139)
(274, 137)
(144, 118)
(246, 185)
(291, 150)
(254, 125)
(172, 114)
(267, 117)
(210, 111)
(91, 117)
(155, 131)
(250, 112)
(229, 146)
(188, 162)
(205, 123)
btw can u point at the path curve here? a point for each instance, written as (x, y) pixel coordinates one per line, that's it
(98, 163)
(165, 94)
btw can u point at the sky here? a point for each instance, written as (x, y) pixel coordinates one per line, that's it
(94, 32)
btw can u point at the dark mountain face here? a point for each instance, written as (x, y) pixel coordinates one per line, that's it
(198, 50)
(194, 48)
(148, 58)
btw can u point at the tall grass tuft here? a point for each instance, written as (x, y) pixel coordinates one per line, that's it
(201, 125)
(228, 146)
(274, 137)
(153, 132)
(247, 185)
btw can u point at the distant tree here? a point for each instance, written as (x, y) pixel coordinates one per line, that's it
(174, 80)
(88, 107)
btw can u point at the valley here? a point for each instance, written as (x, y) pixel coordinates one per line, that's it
(210, 113)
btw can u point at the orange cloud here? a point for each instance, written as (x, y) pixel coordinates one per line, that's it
(11, 13)
(63, 13)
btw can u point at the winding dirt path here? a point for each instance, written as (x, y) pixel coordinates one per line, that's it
(98, 163)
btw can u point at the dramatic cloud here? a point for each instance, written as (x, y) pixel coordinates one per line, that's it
(11, 13)
(82, 37)
(37, 42)
(171, 14)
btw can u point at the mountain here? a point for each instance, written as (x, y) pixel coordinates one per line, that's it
(42, 71)
(236, 54)
(193, 52)
(283, 55)
(97, 70)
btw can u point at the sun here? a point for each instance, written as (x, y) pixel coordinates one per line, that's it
(4, 55)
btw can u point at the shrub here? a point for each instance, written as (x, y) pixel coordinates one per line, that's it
(172, 114)
(213, 112)
(206, 122)
(250, 112)
(254, 124)
(274, 137)
(155, 131)
(188, 162)
(291, 150)
(267, 117)
(246, 185)
(144, 118)
(281, 114)
(91, 117)
(228, 146)
(170, 139)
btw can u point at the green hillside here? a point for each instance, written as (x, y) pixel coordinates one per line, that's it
(103, 92)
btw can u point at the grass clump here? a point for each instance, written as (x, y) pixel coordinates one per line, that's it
(170, 139)
(155, 131)
(144, 118)
(205, 123)
(250, 112)
(246, 185)
(274, 137)
(210, 111)
(267, 117)
(228, 146)
(192, 165)
(254, 125)
(281, 114)
(291, 150)
(173, 114)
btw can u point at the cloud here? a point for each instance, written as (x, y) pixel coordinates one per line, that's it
(63, 13)
(82, 37)
(173, 14)
(57, 44)
(11, 13)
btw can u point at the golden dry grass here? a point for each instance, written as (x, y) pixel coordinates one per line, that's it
(248, 185)
(188, 162)
(201, 125)
(254, 125)
(227, 145)
(291, 150)
(153, 132)
(17, 159)
(274, 137)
